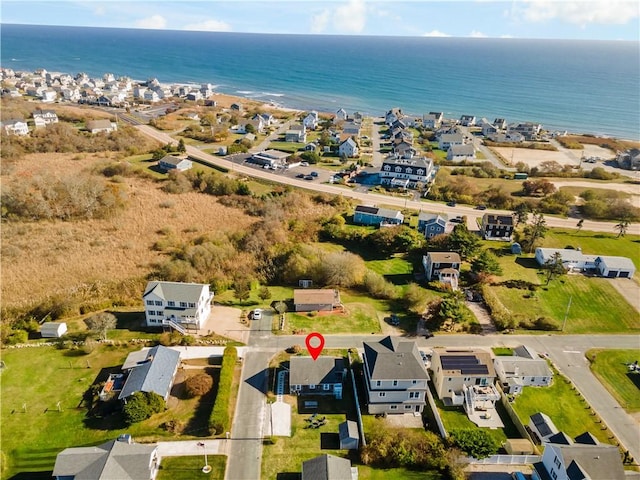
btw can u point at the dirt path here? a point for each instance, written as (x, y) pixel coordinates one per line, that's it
(482, 314)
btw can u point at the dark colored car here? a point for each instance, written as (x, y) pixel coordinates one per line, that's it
(481, 207)
(314, 174)
(394, 320)
(451, 204)
(300, 175)
(308, 177)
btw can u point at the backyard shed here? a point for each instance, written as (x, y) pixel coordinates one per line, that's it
(518, 446)
(53, 329)
(349, 438)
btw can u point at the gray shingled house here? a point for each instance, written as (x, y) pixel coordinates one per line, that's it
(328, 467)
(322, 376)
(151, 370)
(112, 460)
(396, 378)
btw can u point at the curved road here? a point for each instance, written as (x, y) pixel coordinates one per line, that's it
(371, 198)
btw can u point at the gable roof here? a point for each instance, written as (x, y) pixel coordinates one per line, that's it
(428, 218)
(466, 149)
(348, 429)
(326, 467)
(543, 424)
(497, 219)
(307, 371)
(457, 363)
(524, 367)
(380, 212)
(444, 257)
(171, 160)
(102, 123)
(111, 460)
(617, 262)
(592, 462)
(187, 292)
(154, 374)
(306, 296)
(394, 359)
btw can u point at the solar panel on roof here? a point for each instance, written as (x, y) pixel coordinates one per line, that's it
(467, 364)
(366, 209)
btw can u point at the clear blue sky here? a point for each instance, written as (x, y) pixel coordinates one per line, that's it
(576, 19)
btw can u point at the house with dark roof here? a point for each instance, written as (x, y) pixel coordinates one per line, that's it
(322, 376)
(154, 372)
(395, 376)
(432, 224)
(113, 460)
(408, 171)
(316, 299)
(497, 227)
(629, 159)
(523, 368)
(328, 467)
(169, 163)
(176, 304)
(541, 427)
(366, 215)
(583, 458)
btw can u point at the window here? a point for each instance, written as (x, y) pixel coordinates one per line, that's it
(414, 394)
(382, 394)
(393, 407)
(407, 407)
(183, 304)
(398, 169)
(312, 387)
(413, 382)
(158, 303)
(171, 303)
(149, 302)
(326, 387)
(395, 383)
(151, 312)
(192, 305)
(420, 171)
(409, 170)
(378, 383)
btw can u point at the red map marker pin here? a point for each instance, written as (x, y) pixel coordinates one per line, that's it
(315, 348)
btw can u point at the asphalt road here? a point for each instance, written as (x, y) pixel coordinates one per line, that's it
(371, 198)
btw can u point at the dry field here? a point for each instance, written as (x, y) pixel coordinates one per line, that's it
(44, 258)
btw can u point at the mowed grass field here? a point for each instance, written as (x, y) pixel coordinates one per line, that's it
(188, 468)
(568, 410)
(611, 368)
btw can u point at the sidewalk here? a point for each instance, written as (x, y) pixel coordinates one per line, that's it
(191, 447)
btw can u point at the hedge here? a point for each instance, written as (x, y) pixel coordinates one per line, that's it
(220, 420)
(499, 313)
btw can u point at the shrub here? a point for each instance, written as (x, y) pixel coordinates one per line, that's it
(220, 420)
(198, 385)
(475, 442)
(141, 405)
(499, 313)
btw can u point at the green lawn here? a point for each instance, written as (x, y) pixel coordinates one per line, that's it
(396, 265)
(569, 411)
(188, 468)
(291, 147)
(43, 376)
(610, 366)
(357, 318)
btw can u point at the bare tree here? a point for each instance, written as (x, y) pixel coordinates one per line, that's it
(580, 223)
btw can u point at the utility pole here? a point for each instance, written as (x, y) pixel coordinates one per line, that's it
(566, 314)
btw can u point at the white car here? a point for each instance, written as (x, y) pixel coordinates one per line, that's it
(257, 314)
(304, 164)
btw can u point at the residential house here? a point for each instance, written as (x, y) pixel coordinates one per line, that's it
(270, 157)
(541, 427)
(365, 215)
(268, 119)
(453, 369)
(116, 459)
(442, 266)
(523, 368)
(15, 126)
(446, 140)
(487, 127)
(404, 149)
(348, 435)
(151, 96)
(395, 376)
(310, 121)
(150, 370)
(500, 123)
(341, 116)
(461, 152)
(432, 224)
(530, 131)
(467, 120)
(432, 120)
(316, 299)
(296, 133)
(103, 125)
(392, 115)
(399, 124)
(348, 148)
(629, 159)
(573, 260)
(407, 172)
(194, 95)
(328, 467)
(583, 458)
(176, 304)
(169, 163)
(48, 96)
(509, 137)
(497, 227)
(351, 128)
(615, 267)
(322, 376)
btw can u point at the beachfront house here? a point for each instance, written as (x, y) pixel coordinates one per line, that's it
(432, 120)
(311, 120)
(368, 215)
(348, 148)
(322, 376)
(178, 305)
(467, 120)
(530, 131)
(629, 159)
(395, 376)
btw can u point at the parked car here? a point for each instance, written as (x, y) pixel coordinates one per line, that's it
(304, 164)
(457, 219)
(394, 320)
(451, 204)
(308, 177)
(481, 207)
(300, 175)
(314, 174)
(257, 314)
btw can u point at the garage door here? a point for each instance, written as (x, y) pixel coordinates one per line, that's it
(612, 274)
(624, 274)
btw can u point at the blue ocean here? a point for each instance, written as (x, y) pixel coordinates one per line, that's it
(580, 86)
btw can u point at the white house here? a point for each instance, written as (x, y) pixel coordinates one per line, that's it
(461, 152)
(169, 163)
(15, 126)
(395, 376)
(523, 368)
(104, 125)
(432, 120)
(467, 120)
(612, 267)
(311, 120)
(341, 116)
(348, 148)
(446, 140)
(407, 172)
(179, 305)
(42, 118)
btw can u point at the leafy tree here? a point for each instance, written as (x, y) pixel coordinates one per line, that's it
(451, 308)
(414, 298)
(475, 442)
(397, 239)
(521, 213)
(242, 289)
(280, 307)
(463, 241)
(533, 232)
(310, 157)
(198, 385)
(487, 263)
(182, 148)
(264, 293)
(142, 405)
(101, 323)
(554, 267)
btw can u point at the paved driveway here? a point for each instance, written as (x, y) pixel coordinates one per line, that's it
(629, 289)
